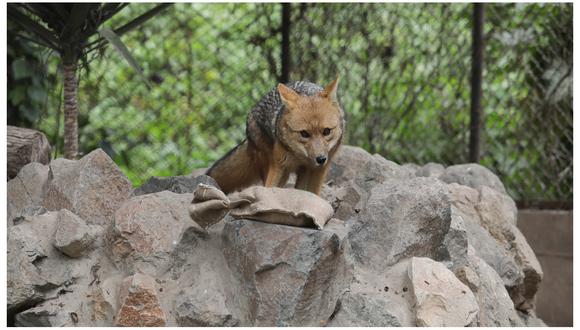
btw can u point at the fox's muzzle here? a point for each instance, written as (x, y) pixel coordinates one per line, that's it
(320, 160)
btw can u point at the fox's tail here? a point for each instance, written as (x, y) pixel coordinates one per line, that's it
(236, 170)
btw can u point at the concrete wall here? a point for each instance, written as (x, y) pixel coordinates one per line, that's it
(549, 233)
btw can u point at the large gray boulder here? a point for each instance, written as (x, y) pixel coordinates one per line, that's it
(401, 219)
(490, 221)
(496, 309)
(289, 275)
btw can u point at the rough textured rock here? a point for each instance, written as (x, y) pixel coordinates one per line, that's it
(346, 164)
(456, 242)
(92, 187)
(139, 303)
(72, 236)
(496, 309)
(401, 219)
(472, 175)
(146, 230)
(344, 200)
(366, 267)
(39, 275)
(29, 278)
(200, 307)
(176, 184)
(290, 276)
(441, 299)
(490, 218)
(377, 299)
(26, 191)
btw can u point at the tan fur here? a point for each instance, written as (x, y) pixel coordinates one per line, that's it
(290, 152)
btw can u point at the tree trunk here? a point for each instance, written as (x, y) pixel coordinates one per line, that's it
(71, 111)
(25, 146)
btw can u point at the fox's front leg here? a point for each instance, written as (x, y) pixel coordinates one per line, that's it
(311, 179)
(277, 175)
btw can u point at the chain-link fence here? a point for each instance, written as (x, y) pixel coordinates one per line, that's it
(406, 75)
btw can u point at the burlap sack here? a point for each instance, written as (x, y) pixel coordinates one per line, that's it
(273, 205)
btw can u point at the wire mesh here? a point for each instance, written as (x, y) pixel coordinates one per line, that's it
(405, 85)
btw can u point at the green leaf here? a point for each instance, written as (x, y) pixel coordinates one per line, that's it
(122, 49)
(21, 69)
(36, 94)
(39, 32)
(17, 94)
(30, 113)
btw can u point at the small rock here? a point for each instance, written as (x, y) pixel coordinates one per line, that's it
(73, 237)
(139, 303)
(445, 301)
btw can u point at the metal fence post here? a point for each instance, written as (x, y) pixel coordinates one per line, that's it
(285, 54)
(476, 78)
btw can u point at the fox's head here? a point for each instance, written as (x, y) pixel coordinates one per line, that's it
(312, 125)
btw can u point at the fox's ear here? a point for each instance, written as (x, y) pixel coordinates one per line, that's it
(330, 91)
(288, 96)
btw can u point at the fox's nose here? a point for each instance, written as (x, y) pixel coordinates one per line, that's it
(321, 160)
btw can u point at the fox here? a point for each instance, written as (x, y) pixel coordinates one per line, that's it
(295, 128)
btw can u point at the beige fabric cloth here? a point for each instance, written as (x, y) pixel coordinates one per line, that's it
(273, 205)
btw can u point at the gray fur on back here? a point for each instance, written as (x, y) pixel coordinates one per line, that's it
(270, 108)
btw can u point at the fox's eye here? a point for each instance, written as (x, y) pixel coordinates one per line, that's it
(304, 134)
(326, 131)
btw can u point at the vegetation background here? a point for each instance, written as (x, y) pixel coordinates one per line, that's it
(405, 85)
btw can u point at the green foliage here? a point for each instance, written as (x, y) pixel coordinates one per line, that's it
(29, 93)
(404, 68)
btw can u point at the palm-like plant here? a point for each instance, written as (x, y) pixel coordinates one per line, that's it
(73, 31)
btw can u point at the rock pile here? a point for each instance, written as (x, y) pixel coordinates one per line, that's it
(409, 245)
